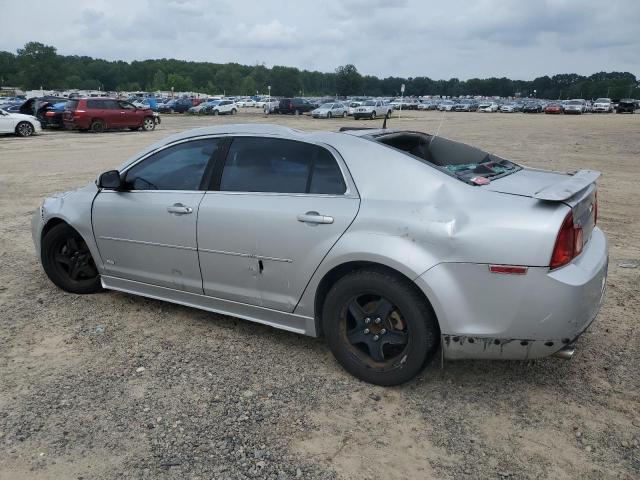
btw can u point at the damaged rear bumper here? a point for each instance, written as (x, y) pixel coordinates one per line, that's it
(492, 316)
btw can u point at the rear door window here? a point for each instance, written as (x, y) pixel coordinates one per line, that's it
(258, 164)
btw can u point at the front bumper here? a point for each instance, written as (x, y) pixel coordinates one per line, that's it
(495, 316)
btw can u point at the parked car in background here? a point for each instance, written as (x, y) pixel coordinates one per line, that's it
(532, 107)
(352, 107)
(427, 105)
(295, 105)
(554, 108)
(626, 105)
(465, 106)
(602, 105)
(372, 109)
(100, 114)
(271, 106)
(247, 102)
(488, 107)
(177, 105)
(328, 110)
(224, 107)
(576, 106)
(342, 235)
(53, 115)
(19, 124)
(446, 105)
(510, 107)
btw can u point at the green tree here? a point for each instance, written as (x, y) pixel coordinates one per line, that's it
(159, 80)
(39, 65)
(348, 80)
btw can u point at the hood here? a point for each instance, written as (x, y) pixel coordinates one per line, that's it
(22, 116)
(544, 184)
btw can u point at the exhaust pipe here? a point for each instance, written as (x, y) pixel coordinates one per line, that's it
(565, 353)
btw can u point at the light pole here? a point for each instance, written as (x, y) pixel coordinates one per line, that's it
(401, 99)
(268, 109)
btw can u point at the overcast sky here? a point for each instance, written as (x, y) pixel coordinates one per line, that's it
(520, 39)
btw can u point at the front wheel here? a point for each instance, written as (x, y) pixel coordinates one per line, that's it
(373, 115)
(234, 111)
(328, 114)
(67, 261)
(97, 126)
(148, 124)
(379, 327)
(344, 114)
(24, 129)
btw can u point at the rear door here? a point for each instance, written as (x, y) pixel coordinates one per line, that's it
(278, 207)
(147, 233)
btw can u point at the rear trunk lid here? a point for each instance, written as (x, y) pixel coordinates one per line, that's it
(576, 190)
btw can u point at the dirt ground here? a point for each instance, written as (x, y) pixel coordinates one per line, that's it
(113, 386)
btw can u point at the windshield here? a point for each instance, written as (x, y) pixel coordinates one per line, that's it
(370, 103)
(603, 100)
(326, 105)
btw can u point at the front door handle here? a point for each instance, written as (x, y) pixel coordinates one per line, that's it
(314, 218)
(179, 209)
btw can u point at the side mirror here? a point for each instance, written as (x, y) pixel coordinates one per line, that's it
(110, 180)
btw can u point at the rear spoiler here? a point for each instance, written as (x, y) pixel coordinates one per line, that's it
(568, 188)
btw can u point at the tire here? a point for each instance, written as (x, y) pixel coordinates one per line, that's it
(396, 322)
(373, 115)
(97, 126)
(215, 113)
(344, 114)
(234, 111)
(328, 114)
(25, 129)
(67, 261)
(148, 124)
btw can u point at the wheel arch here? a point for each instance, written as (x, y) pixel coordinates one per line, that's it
(336, 273)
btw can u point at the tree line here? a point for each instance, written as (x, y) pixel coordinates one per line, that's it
(37, 65)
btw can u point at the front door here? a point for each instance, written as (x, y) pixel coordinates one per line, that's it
(7, 124)
(147, 232)
(279, 207)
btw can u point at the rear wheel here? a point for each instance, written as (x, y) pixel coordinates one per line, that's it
(97, 126)
(215, 112)
(67, 261)
(344, 114)
(24, 129)
(379, 327)
(234, 111)
(148, 124)
(373, 115)
(328, 114)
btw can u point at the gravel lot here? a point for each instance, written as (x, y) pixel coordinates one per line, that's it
(113, 386)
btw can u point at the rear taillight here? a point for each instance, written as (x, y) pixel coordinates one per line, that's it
(568, 243)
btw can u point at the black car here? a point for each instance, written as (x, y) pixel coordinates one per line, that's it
(626, 105)
(295, 106)
(532, 108)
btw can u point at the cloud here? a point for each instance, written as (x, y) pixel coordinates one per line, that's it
(456, 38)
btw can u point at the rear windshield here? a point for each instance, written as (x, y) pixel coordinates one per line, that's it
(71, 105)
(468, 164)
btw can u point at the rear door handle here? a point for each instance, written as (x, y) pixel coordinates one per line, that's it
(179, 209)
(314, 218)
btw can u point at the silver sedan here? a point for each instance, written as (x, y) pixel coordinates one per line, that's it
(388, 243)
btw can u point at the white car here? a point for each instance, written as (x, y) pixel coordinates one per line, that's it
(328, 110)
(249, 102)
(372, 109)
(352, 107)
(18, 123)
(225, 107)
(489, 107)
(603, 105)
(271, 106)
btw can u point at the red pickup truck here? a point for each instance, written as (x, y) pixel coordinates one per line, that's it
(100, 114)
